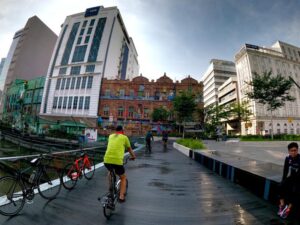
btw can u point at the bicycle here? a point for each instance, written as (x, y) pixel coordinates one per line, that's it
(73, 171)
(15, 189)
(110, 199)
(165, 143)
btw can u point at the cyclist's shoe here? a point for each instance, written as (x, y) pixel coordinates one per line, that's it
(121, 200)
(280, 209)
(285, 213)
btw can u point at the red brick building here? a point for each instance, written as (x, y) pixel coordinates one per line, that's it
(131, 103)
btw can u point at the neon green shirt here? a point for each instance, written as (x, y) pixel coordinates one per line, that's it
(117, 144)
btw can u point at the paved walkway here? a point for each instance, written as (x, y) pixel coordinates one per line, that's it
(164, 188)
(268, 151)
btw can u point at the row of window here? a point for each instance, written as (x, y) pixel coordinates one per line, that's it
(131, 112)
(74, 83)
(75, 70)
(71, 102)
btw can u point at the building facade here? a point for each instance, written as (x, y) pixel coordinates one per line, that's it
(92, 45)
(131, 103)
(216, 74)
(280, 58)
(22, 103)
(29, 54)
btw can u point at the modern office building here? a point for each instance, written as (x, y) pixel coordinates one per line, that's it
(29, 54)
(92, 45)
(280, 58)
(227, 95)
(1, 67)
(216, 74)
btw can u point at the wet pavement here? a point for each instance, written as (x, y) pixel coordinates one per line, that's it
(165, 187)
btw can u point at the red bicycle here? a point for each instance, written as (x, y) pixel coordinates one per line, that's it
(73, 171)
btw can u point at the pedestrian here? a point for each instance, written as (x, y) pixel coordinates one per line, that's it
(289, 187)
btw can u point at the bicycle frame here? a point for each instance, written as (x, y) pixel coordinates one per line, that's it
(79, 168)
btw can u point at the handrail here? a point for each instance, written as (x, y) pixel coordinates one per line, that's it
(54, 153)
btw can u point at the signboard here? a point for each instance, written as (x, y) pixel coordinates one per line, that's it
(92, 11)
(252, 46)
(91, 134)
(290, 120)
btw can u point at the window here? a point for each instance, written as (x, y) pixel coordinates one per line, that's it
(107, 93)
(89, 30)
(60, 102)
(96, 40)
(55, 102)
(79, 40)
(80, 102)
(120, 111)
(75, 102)
(69, 44)
(63, 84)
(62, 71)
(73, 82)
(65, 102)
(82, 31)
(87, 39)
(78, 82)
(57, 84)
(87, 102)
(131, 111)
(68, 83)
(90, 68)
(79, 53)
(92, 22)
(146, 113)
(84, 23)
(70, 102)
(106, 110)
(122, 93)
(131, 93)
(75, 70)
(90, 82)
(83, 82)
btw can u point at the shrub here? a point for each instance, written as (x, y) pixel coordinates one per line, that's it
(191, 143)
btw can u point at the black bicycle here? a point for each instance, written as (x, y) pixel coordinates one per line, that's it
(16, 189)
(110, 199)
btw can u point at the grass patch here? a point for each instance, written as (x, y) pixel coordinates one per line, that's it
(280, 137)
(191, 143)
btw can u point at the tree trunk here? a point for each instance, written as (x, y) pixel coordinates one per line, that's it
(271, 125)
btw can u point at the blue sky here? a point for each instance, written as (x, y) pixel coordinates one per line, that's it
(178, 37)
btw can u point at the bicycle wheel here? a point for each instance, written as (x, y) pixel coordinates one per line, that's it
(107, 211)
(12, 196)
(89, 170)
(49, 183)
(69, 176)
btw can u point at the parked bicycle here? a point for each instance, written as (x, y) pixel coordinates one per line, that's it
(15, 189)
(110, 199)
(82, 166)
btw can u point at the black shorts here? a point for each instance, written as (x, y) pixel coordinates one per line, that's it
(119, 169)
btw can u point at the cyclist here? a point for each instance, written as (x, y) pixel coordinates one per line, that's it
(148, 139)
(165, 137)
(113, 158)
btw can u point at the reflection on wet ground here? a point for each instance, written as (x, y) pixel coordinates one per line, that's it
(164, 188)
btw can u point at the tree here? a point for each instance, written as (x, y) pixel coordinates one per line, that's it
(270, 90)
(184, 106)
(241, 111)
(159, 114)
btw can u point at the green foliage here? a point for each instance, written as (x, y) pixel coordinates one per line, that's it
(277, 137)
(241, 110)
(270, 90)
(191, 143)
(160, 114)
(184, 106)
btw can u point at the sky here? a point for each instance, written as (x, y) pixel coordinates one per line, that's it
(178, 37)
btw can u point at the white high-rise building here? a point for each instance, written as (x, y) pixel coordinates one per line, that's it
(280, 58)
(216, 74)
(92, 45)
